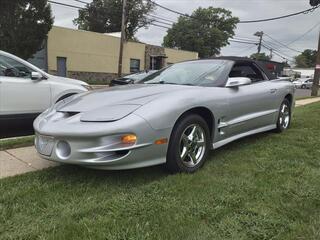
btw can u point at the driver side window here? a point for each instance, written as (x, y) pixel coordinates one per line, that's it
(12, 68)
(248, 71)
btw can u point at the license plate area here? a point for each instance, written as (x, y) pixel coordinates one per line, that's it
(44, 144)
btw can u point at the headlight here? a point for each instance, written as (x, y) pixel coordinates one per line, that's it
(88, 87)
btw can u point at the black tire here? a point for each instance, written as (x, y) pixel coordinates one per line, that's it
(283, 124)
(303, 86)
(176, 144)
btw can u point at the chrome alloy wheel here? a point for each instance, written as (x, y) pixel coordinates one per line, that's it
(192, 145)
(284, 118)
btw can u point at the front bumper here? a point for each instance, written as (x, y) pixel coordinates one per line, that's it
(97, 145)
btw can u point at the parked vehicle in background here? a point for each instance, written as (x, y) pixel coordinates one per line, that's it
(304, 83)
(26, 91)
(173, 117)
(132, 78)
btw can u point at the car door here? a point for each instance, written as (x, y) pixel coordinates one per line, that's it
(19, 93)
(252, 106)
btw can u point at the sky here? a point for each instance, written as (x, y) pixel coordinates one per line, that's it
(283, 30)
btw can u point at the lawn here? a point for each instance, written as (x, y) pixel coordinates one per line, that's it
(16, 142)
(262, 187)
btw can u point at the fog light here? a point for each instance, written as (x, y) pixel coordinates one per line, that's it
(129, 139)
(63, 149)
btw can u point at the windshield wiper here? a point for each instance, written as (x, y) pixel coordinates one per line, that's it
(163, 82)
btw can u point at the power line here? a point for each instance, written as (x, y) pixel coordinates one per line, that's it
(275, 49)
(304, 34)
(276, 52)
(160, 17)
(244, 50)
(281, 17)
(81, 1)
(245, 42)
(65, 4)
(248, 21)
(157, 25)
(283, 45)
(159, 21)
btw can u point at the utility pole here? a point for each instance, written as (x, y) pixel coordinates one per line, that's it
(260, 35)
(271, 53)
(316, 79)
(123, 35)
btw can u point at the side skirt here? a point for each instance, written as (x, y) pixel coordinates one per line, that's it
(233, 138)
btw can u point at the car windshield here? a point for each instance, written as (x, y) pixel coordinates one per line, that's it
(195, 73)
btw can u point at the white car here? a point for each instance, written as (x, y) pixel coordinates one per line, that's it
(26, 91)
(304, 83)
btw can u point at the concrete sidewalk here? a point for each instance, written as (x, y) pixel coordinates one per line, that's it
(307, 101)
(21, 160)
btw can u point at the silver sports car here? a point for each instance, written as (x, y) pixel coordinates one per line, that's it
(174, 117)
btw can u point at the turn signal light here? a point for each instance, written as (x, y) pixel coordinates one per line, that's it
(129, 139)
(161, 141)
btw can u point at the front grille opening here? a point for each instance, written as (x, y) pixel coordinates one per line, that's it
(70, 114)
(111, 155)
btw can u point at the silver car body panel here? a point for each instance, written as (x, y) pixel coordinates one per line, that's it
(92, 126)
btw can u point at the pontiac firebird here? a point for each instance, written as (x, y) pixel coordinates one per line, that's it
(173, 117)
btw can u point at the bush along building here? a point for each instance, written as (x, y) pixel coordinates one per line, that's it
(93, 57)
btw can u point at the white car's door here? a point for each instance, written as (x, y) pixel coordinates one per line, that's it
(19, 94)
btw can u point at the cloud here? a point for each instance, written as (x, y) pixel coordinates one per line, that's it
(284, 30)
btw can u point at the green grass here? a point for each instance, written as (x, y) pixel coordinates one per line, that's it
(263, 187)
(16, 142)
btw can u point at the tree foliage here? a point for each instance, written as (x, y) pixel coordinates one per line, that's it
(206, 31)
(307, 59)
(104, 16)
(260, 56)
(24, 25)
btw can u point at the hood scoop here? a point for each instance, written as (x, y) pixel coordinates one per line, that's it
(109, 113)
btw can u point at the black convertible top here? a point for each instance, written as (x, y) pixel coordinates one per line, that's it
(246, 60)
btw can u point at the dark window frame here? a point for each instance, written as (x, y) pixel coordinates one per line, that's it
(135, 69)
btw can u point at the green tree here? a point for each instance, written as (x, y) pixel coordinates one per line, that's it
(104, 16)
(307, 59)
(24, 25)
(260, 56)
(206, 31)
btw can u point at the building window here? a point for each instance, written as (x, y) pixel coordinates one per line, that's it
(134, 65)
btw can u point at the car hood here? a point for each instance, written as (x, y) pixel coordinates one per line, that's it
(114, 103)
(66, 80)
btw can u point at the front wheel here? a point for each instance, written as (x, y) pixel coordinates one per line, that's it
(189, 145)
(284, 118)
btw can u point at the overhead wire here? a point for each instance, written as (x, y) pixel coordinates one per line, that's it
(306, 11)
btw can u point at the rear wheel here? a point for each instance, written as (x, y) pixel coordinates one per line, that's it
(303, 86)
(189, 145)
(284, 118)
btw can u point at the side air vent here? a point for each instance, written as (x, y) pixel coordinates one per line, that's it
(69, 114)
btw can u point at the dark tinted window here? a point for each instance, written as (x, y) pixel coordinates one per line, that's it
(248, 71)
(12, 68)
(134, 65)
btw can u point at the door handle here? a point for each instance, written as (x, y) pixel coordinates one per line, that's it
(273, 90)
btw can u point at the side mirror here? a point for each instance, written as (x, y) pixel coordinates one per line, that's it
(36, 76)
(238, 81)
